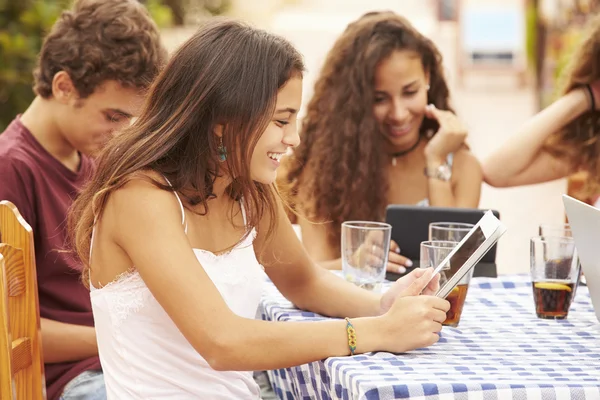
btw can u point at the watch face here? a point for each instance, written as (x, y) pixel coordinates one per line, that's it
(444, 172)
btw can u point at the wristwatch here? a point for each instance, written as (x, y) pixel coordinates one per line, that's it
(441, 172)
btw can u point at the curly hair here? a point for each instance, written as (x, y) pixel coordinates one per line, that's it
(100, 40)
(578, 141)
(340, 153)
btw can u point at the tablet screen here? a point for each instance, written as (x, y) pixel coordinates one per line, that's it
(462, 254)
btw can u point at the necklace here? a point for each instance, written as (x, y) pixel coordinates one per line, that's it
(404, 152)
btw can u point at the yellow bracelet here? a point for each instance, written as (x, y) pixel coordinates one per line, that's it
(351, 335)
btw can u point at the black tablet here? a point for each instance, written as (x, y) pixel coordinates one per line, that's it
(410, 227)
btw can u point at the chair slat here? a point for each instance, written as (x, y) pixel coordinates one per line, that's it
(15, 271)
(21, 354)
(22, 370)
(6, 380)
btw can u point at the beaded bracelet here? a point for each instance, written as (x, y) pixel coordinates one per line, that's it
(351, 335)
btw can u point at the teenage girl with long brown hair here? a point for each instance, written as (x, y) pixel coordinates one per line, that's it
(181, 222)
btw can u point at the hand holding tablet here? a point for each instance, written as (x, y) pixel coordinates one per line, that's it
(470, 250)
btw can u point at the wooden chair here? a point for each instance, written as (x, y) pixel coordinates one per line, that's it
(21, 364)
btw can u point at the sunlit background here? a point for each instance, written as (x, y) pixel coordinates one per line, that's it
(502, 58)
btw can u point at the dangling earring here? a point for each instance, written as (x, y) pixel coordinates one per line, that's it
(222, 150)
(428, 87)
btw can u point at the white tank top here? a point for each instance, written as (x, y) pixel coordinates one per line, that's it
(145, 356)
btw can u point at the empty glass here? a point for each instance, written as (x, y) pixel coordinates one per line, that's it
(560, 230)
(365, 248)
(432, 254)
(450, 231)
(554, 274)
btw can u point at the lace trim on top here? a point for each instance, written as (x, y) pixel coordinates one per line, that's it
(124, 303)
(136, 294)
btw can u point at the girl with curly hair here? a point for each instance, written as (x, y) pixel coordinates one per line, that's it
(379, 130)
(562, 138)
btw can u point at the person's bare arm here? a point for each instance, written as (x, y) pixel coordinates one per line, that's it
(521, 160)
(62, 342)
(299, 279)
(335, 264)
(314, 234)
(464, 189)
(148, 219)
(307, 286)
(314, 239)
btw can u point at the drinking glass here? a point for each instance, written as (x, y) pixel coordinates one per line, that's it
(365, 248)
(554, 274)
(433, 252)
(449, 231)
(561, 230)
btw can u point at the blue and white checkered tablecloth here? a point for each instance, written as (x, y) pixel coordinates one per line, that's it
(500, 350)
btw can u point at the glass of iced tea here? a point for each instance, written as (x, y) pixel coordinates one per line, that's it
(562, 230)
(433, 252)
(554, 275)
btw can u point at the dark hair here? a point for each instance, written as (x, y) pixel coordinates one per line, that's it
(340, 153)
(228, 73)
(100, 40)
(578, 143)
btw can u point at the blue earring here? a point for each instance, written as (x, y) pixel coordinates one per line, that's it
(222, 150)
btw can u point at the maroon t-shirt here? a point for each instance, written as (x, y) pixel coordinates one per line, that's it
(43, 189)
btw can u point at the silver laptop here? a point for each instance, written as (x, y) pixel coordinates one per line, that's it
(585, 225)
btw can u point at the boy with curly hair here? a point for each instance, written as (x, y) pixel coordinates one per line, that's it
(93, 70)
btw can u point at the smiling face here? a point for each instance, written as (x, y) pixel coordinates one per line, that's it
(400, 98)
(280, 135)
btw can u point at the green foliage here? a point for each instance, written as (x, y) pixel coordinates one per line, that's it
(531, 39)
(216, 7)
(23, 25)
(162, 14)
(183, 8)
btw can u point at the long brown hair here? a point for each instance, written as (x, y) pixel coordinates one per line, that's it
(578, 142)
(228, 73)
(338, 172)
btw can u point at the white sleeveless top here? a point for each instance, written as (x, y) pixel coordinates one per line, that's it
(145, 356)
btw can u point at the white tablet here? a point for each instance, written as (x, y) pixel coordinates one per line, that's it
(470, 250)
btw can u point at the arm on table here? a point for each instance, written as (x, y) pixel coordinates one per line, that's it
(149, 219)
(299, 279)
